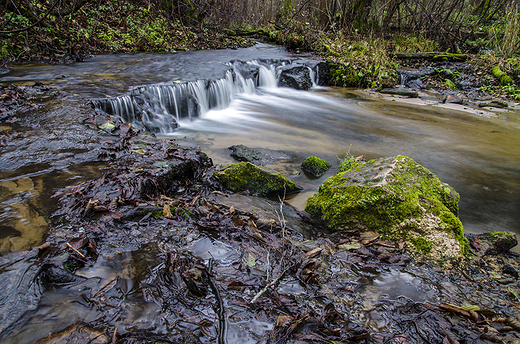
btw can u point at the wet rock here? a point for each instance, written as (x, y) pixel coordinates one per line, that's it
(321, 71)
(254, 179)
(451, 99)
(315, 166)
(492, 243)
(248, 70)
(412, 77)
(467, 82)
(495, 103)
(57, 272)
(257, 156)
(398, 198)
(400, 92)
(76, 334)
(298, 77)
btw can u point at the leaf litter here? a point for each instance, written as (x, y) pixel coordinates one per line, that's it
(220, 267)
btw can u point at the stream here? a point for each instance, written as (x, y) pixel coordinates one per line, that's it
(56, 145)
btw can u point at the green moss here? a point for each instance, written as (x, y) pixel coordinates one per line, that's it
(391, 196)
(422, 245)
(501, 234)
(246, 176)
(185, 213)
(315, 166)
(501, 76)
(451, 57)
(506, 80)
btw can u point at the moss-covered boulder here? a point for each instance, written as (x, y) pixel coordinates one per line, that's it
(397, 197)
(257, 180)
(315, 166)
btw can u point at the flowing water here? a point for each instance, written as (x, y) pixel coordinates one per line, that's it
(208, 98)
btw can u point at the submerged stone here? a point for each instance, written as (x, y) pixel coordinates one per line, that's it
(397, 197)
(315, 166)
(258, 181)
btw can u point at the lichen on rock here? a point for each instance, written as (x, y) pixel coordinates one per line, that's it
(397, 197)
(258, 181)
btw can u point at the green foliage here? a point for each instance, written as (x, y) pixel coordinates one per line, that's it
(413, 44)
(449, 84)
(359, 63)
(347, 163)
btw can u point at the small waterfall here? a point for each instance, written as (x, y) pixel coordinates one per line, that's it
(158, 108)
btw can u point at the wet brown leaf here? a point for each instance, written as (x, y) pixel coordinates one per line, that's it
(100, 208)
(313, 253)
(236, 285)
(455, 309)
(239, 222)
(77, 333)
(90, 206)
(107, 287)
(283, 320)
(167, 212)
(111, 216)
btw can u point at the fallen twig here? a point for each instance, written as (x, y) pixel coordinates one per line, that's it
(269, 285)
(78, 252)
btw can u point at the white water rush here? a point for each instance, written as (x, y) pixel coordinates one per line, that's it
(159, 108)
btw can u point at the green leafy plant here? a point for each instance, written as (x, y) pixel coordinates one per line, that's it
(348, 161)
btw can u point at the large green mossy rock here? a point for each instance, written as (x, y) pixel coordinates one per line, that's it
(255, 179)
(397, 197)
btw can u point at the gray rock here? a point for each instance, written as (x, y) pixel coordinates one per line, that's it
(451, 99)
(400, 92)
(258, 156)
(321, 71)
(407, 76)
(297, 77)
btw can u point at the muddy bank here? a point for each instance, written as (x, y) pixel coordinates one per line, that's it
(156, 250)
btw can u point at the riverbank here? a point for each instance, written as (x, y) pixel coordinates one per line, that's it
(238, 267)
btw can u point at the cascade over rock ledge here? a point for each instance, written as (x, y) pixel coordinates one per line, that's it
(397, 197)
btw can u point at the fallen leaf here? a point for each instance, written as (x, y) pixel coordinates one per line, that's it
(107, 126)
(251, 261)
(313, 253)
(167, 212)
(349, 246)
